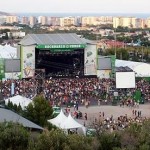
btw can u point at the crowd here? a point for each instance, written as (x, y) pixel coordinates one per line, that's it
(83, 91)
(75, 91)
(112, 124)
(25, 88)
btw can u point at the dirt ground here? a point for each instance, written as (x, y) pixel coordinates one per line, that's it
(94, 111)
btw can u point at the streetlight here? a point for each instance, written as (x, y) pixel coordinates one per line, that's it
(115, 37)
(115, 44)
(142, 53)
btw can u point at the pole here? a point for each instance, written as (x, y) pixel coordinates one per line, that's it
(142, 53)
(115, 46)
(115, 38)
(1, 87)
(12, 80)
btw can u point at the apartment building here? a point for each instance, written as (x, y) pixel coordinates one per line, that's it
(148, 22)
(25, 20)
(141, 23)
(117, 21)
(105, 20)
(2, 19)
(67, 21)
(11, 19)
(89, 21)
(43, 20)
(54, 21)
(78, 21)
(32, 20)
(129, 22)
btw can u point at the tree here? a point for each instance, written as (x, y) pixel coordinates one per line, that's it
(76, 141)
(51, 140)
(14, 107)
(19, 109)
(109, 141)
(13, 137)
(58, 140)
(39, 111)
(10, 105)
(130, 137)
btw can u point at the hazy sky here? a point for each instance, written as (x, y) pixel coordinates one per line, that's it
(76, 6)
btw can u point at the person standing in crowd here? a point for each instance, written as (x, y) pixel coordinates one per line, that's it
(85, 116)
(99, 102)
(103, 114)
(133, 112)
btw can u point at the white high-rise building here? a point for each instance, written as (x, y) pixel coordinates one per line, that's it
(12, 19)
(32, 20)
(25, 20)
(43, 20)
(67, 21)
(129, 22)
(54, 21)
(148, 22)
(2, 19)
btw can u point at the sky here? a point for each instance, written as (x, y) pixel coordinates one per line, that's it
(75, 6)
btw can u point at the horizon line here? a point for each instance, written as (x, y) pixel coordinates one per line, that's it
(84, 12)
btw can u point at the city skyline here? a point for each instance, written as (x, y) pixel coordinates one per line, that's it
(75, 6)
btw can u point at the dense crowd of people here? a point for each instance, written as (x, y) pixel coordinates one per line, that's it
(76, 91)
(25, 88)
(112, 124)
(83, 91)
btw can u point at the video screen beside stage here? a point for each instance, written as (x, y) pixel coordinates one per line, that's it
(12, 65)
(104, 63)
(125, 80)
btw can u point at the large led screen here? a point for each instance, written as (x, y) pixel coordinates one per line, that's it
(125, 80)
(104, 63)
(12, 65)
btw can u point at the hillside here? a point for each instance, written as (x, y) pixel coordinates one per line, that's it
(5, 14)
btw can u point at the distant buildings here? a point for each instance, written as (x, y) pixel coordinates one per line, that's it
(54, 21)
(94, 21)
(130, 22)
(78, 21)
(32, 21)
(148, 22)
(2, 19)
(43, 20)
(11, 19)
(67, 21)
(9, 27)
(16, 34)
(124, 22)
(25, 20)
(88, 21)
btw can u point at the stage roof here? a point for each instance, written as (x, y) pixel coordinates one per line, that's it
(45, 39)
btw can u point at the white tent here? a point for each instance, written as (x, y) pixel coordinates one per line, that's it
(141, 69)
(8, 51)
(18, 99)
(58, 120)
(70, 123)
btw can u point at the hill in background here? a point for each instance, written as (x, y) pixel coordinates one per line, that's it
(5, 14)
